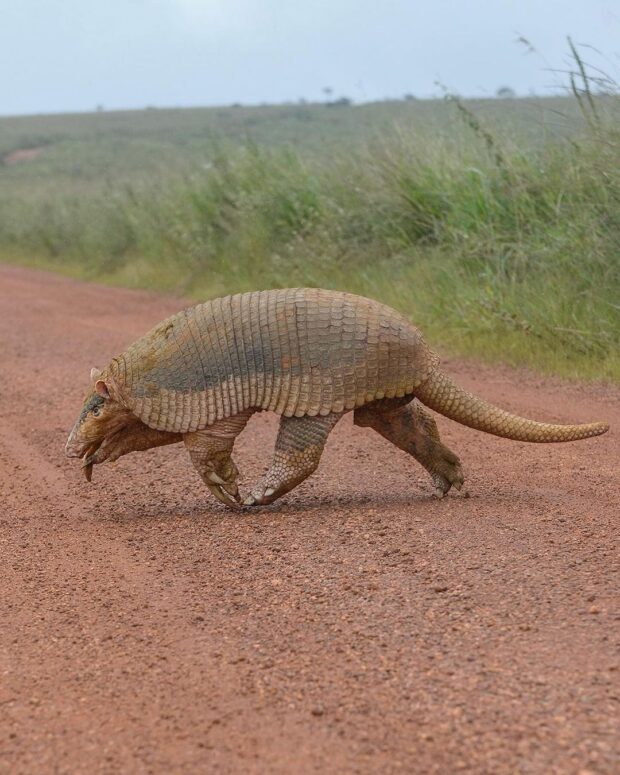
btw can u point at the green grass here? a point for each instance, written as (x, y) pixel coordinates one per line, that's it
(495, 225)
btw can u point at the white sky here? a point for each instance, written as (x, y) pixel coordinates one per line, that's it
(70, 55)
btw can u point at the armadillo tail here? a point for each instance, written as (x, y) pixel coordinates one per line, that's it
(438, 392)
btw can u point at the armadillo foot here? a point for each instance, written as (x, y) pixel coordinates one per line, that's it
(298, 450)
(442, 485)
(220, 474)
(443, 466)
(411, 428)
(210, 452)
(224, 495)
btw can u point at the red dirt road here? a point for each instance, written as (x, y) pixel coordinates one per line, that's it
(358, 626)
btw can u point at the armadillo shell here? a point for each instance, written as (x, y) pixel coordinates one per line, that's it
(299, 351)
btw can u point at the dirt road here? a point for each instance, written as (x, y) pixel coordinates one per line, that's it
(358, 626)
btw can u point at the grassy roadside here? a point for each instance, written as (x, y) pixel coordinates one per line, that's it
(456, 315)
(496, 248)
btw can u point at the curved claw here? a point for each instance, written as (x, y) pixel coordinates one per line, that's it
(226, 492)
(216, 478)
(231, 500)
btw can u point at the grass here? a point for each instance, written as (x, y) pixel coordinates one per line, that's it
(494, 226)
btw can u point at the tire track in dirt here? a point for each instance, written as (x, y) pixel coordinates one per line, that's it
(357, 627)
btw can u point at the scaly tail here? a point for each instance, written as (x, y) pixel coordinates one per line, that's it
(442, 395)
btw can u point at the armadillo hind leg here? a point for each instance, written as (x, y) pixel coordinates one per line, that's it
(210, 451)
(298, 450)
(411, 428)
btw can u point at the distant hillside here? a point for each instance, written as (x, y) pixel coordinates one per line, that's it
(87, 145)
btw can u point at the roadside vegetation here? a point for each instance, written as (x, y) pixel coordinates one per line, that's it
(495, 225)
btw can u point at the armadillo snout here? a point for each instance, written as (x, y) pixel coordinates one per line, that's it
(72, 447)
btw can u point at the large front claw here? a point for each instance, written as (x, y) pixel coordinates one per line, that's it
(226, 492)
(210, 452)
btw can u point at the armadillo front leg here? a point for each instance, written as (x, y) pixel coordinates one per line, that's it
(298, 450)
(411, 428)
(210, 452)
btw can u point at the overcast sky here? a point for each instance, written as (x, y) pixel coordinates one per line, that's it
(70, 55)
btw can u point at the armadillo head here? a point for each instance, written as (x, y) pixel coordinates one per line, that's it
(98, 426)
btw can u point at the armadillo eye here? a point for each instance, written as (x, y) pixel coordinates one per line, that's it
(96, 410)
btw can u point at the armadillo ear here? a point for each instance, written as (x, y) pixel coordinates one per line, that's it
(102, 388)
(94, 375)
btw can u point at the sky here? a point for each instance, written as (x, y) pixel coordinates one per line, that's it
(72, 55)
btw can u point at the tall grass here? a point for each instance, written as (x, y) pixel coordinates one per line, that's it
(502, 250)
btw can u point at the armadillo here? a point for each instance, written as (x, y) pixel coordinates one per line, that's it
(309, 355)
